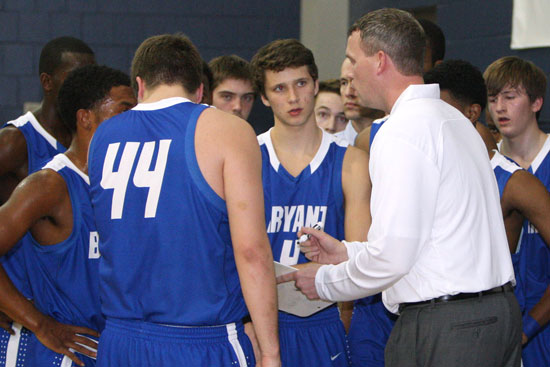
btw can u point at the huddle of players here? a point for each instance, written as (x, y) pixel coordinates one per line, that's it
(307, 177)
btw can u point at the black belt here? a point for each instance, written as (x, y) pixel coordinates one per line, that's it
(448, 298)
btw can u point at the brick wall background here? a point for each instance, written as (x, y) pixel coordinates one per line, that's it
(475, 31)
(114, 29)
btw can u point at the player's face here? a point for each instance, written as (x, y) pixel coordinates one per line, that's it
(235, 96)
(329, 112)
(291, 95)
(512, 111)
(119, 99)
(69, 62)
(363, 71)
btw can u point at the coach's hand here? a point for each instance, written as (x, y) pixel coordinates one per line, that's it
(6, 323)
(304, 278)
(322, 248)
(62, 338)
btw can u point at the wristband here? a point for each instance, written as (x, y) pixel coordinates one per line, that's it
(530, 326)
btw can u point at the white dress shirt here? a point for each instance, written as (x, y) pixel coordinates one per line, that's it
(437, 226)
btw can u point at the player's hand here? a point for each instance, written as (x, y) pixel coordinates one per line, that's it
(524, 339)
(304, 278)
(322, 248)
(62, 338)
(6, 322)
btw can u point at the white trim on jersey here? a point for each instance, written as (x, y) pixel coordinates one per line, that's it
(327, 139)
(501, 161)
(60, 161)
(542, 154)
(13, 346)
(159, 105)
(233, 338)
(66, 362)
(29, 117)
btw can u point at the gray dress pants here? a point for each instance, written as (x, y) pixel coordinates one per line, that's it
(482, 331)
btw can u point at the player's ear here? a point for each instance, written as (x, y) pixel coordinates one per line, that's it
(46, 82)
(264, 100)
(141, 88)
(198, 94)
(84, 119)
(537, 105)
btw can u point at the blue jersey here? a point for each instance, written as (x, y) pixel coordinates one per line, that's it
(503, 168)
(315, 195)
(534, 268)
(41, 147)
(65, 276)
(291, 203)
(166, 250)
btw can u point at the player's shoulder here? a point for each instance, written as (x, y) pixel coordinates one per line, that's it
(225, 126)
(47, 181)
(13, 146)
(356, 161)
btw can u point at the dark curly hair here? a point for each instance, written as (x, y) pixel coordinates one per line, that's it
(85, 88)
(279, 55)
(463, 80)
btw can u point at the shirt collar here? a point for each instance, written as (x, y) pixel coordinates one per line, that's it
(415, 91)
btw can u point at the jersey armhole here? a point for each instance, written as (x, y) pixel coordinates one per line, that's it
(191, 159)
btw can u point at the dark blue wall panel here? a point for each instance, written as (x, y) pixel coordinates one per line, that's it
(114, 29)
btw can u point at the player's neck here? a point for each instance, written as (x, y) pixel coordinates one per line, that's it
(361, 124)
(524, 148)
(302, 139)
(50, 120)
(296, 146)
(165, 91)
(78, 152)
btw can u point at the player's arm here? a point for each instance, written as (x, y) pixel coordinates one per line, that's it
(36, 197)
(357, 188)
(363, 140)
(356, 185)
(528, 195)
(13, 158)
(244, 198)
(525, 193)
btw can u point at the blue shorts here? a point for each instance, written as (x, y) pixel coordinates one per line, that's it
(136, 343)
(24, 349)
(370, 328)
(16, 349)
(319, 342)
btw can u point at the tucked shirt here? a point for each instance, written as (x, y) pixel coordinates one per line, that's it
(437, 225)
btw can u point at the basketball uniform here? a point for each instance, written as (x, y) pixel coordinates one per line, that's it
(168, 280)
(291, 203)
(41, 147)
(534, 268)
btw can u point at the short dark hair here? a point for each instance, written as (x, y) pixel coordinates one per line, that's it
(330, 85)
(52, 53)
(435, 38)
(230, 66)
(395, 32)
(86, 88)
(463, 80)
(168, 59)
(279, 55)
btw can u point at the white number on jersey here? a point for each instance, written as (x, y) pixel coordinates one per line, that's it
(93, 252)
(289, 253)
(143, 177)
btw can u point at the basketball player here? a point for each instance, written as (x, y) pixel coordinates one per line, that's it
(60, 250)
(176, 190)
(307, 178)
